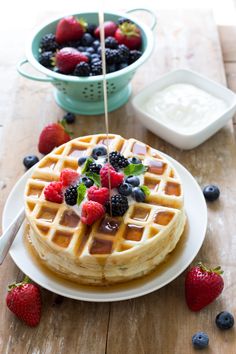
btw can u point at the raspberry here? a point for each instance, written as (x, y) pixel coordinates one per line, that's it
(53, 192)
(99, 195)
(68, 177)
(91, 211)
(115, 177)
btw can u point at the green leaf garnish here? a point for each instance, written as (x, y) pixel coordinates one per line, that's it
(145, 190)
(86, 165)
(95, 177)
(81, 190)
(134, 169)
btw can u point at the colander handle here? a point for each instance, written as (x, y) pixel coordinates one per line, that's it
(154, 18)
(29, 76)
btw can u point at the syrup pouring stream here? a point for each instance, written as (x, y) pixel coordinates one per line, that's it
(9, 235)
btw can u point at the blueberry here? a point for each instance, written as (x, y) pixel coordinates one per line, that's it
(88, 182)
(90, 50)
(69, 118)
(125, 189)
(224, 320)
(138, 195)
(134, 160)
(95, 60)
(81, 48)
(99, 151)
(211, 192)
(88, 55)
(82, 160)
(87, 39)
(91, 28)
(200, 340)
(96, 44)
(30, 161)
(95, 56)
(133, 180)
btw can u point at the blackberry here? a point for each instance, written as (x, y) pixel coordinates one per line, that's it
(112, 56)
(45, 59)
(94, 168)
(122, 20)
(122, 66)
(124, 53)
(71, 195)
(96, 68)
(91, 28)
(134, 55)
(87, 39)
(111, 42)
(118, 205)
(82, 69)
(48, 43)
(111, 68)
(117, 160)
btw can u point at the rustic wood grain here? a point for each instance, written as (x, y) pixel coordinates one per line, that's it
(159, 322)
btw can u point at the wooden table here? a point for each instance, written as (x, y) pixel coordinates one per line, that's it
(159, 322)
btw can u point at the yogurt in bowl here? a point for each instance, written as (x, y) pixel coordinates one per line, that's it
(184, 108)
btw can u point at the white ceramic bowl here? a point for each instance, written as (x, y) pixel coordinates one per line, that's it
(184, 140)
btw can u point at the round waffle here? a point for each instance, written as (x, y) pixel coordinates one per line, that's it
(113, 249)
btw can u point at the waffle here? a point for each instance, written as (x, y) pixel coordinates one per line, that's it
(113, 249)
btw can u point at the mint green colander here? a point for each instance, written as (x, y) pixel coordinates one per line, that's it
(84, 95)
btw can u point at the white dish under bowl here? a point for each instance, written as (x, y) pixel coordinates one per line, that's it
(179, 139)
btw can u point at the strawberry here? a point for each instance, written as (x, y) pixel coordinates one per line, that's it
(116, 178)
(91, 211)
(109, 29)
(70, 29)
(53, 192)
(202, 286)
(99, 195)
(68, 177)
(129, 35)
(51, 136)
(67, 58)
(24, 300)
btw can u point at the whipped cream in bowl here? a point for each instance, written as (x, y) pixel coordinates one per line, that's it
(184, 108)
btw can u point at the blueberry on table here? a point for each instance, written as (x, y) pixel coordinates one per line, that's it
(211, 192)
(69, 118)
(138, 195)
(133, 180)
(224, 320)
(88, 182)
(200, 340)
(125, 189)
(30, 161)
(99, 151)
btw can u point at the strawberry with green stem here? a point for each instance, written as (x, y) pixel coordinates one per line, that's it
(129, 35)
(24, 300)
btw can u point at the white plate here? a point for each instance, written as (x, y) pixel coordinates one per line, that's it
(178, 261)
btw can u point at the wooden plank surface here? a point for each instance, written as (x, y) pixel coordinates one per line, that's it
(159, 322)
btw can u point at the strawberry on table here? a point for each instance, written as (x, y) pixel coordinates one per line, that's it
(52, 135)
(67, 58)
(109, 29)
(70, 29)
(91, 212)
(202, 286)
(24, 300)
(129, 35)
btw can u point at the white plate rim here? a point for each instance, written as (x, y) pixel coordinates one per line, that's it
(50, 284)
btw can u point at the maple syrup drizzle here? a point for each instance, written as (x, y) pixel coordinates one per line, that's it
(103, 56)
